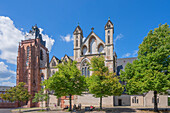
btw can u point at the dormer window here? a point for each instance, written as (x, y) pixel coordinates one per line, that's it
(108, 26)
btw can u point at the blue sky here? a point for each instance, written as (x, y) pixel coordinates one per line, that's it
(132, 21)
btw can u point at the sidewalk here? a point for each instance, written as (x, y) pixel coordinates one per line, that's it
(116, 109)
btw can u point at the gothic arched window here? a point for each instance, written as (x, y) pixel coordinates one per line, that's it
(53, 72)
(84, 50)
(100, 48)
(42, 79)
(53, 63)
(28, 49)
(108, 39)
(85, 69)
(135, 100)
(41, 54)
(76, 42)
(92, 44)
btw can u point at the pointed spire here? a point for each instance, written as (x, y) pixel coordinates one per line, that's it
(109, 18)
(78, 23)
(92, 28)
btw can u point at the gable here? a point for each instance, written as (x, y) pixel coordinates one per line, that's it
(54, 61)
(92, 34)
(66, 58)
(109, 24)
(77, 30)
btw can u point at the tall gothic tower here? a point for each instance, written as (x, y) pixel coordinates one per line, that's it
(109, 47)
(78, 36)
(32, 62)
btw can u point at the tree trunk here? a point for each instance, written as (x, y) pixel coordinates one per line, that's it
(100, 102)
(19, 106)
(41, 105)
(48, 99)
(155, 102)
(70, 102)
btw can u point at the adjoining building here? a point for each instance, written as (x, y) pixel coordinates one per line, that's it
(6, 103)
(33, 66)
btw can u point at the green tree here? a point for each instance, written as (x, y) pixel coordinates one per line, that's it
(17, 94)
(102, 83)
(66, 81)
(41, 96)
(150, 72)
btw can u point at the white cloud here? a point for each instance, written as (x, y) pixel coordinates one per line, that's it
(49, 41)
(7, 84)
(6, 75)
(126, 55)
(133, 54)
(118, 37)
(10, 37)
(67, 38)
(4, 71)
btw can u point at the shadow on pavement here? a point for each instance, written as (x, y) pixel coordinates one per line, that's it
(109, 110)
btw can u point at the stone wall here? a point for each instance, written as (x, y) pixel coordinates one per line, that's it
(125, 100)
(87, 99)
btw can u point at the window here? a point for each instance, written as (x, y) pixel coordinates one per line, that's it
(76, 42)
(92, 44)
(153, 100)
(108, 39)
(28, 49)
(134, 100)
(67, 96)
(41, 54)
(53, 72)
(108, 32)
(85, 69)
(42, 79)
(53, 63)
(100, 48)
(84, 50)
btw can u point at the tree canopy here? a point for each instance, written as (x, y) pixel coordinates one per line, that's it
(41, 96)
(17, 94)
(102, 83)
(66, 81)
(150, 72)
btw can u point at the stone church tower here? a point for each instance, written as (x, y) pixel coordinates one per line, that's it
(32, 62)
(92, 46)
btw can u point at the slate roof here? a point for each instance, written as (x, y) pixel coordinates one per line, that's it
(121, 63)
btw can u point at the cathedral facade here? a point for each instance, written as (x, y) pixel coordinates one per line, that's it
(33, 66)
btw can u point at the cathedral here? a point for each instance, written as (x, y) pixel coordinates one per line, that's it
(33, 66)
